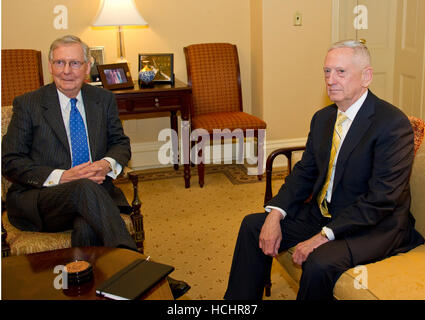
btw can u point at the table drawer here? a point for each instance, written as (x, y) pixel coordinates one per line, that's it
(138, 104)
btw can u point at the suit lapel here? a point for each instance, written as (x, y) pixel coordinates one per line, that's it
(326, 143)
(92, 109)
(357, 130)
(53, 115)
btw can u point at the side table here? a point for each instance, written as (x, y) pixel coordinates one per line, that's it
(133, 103)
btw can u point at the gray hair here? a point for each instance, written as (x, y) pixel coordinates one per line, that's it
(360, 49)
(67, 40)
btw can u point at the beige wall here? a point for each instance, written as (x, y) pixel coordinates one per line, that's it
(281, 65)
(293, 60)
(172, 25)
(257, 66)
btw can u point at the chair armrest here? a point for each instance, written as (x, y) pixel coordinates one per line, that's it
(287, 152)
(125, 172)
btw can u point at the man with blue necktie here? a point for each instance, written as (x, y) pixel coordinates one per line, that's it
(64, 146)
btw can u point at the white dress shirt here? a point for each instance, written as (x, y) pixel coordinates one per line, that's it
(65, 103)
(351, 113)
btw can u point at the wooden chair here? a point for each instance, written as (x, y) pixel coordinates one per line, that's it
(214, 74)
(22, 72)
(418, 126)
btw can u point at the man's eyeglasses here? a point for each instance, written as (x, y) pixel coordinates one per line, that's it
(74, 64)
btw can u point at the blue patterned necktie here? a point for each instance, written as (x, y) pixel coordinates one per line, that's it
(79, 146)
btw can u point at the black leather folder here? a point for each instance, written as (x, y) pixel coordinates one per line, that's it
(134, 280)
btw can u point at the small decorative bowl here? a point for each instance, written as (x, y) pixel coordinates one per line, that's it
(147, 76)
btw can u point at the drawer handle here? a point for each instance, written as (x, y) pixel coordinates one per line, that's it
(157, 102)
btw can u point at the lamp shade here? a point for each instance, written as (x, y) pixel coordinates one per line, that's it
(119, 13)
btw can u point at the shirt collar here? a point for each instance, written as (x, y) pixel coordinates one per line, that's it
(355, 107)
(65, 101)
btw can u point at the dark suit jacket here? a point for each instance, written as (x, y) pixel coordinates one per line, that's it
(371, 196)
(36, 143)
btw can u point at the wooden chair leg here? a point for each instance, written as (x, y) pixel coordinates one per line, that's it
(260, 155)
(201, 174)
(192, 144)
(136, 215)
(201, 166)
(5, 248)
(268, 289)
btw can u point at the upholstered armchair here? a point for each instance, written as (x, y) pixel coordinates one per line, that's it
(22, 72)
(214, 74)
(17, 242)
(398, 277)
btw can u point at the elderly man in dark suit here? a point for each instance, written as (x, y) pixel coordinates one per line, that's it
(356, 168)
(64, 146)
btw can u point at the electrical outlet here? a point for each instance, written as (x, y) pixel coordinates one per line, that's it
(298, 19)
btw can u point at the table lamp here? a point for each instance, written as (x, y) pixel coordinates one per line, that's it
(119, 13)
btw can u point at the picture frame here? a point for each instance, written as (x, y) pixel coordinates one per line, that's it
(97, 57)
(163, 63)
(115, 76)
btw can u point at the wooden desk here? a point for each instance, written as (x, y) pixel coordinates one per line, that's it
(132, 103)
(32, 277)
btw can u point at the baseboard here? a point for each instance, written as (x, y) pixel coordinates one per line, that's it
(145, 154)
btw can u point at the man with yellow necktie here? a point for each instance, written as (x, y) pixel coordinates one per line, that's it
(356, 167)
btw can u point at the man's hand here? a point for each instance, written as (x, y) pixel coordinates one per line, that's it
(101, 169)
(95, 171)
(303, 249)
(271, 233)
(81, 171)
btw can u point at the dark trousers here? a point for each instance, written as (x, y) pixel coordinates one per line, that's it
(87, 208)
(251, 268)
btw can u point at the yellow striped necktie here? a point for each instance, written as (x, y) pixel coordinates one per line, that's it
(336, 140)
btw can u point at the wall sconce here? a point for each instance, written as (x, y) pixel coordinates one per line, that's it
(119, 13)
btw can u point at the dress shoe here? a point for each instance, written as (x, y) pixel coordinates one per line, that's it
(178, 288)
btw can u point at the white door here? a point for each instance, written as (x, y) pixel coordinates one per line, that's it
(409, 71)
(379, 17)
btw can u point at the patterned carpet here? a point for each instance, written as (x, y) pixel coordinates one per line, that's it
(195, 229)
(235, 173)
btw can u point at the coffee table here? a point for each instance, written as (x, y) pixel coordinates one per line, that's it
(32, 277)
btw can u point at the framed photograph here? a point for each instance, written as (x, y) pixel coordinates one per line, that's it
(115, 76)
(97, 55)
(161, 63)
